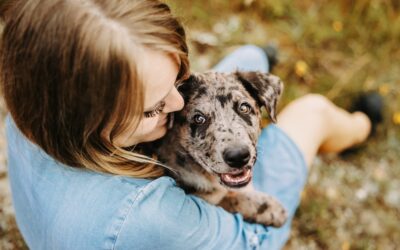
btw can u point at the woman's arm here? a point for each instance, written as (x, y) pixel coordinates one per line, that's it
(164, 217)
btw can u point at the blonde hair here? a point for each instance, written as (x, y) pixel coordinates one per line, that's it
(69, 68)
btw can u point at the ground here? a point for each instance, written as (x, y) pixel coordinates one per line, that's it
(336, 48)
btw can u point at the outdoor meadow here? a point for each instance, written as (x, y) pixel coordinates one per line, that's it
(338, 48)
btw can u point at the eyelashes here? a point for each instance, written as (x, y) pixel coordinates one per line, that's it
(156, 111)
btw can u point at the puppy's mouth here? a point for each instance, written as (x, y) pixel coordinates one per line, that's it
(238, 178)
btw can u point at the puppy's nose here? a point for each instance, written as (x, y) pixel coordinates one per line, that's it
(236, 157)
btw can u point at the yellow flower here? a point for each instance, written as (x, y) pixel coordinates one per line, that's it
(384, 89)
(345, 245)
(337, 26)
(301, 68)
(396, 118)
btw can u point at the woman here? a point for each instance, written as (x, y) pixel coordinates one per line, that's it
(84, 82)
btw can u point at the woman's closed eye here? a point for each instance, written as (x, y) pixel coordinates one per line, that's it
(158, 109)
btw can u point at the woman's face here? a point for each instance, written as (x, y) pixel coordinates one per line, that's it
(159, 72)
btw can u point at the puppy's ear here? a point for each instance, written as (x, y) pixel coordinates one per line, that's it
(190, 87)
(265, 88)
(188, 83)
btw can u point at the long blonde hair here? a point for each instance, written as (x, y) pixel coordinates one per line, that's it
(69, 67)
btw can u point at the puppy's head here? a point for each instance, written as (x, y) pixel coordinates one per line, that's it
(220, 122)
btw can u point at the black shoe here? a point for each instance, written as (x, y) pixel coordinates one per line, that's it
(371, 104)
(272, 54)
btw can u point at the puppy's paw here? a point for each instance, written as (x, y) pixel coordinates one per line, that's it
(270, 212)
(256, 207)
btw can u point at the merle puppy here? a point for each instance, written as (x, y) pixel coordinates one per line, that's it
(211, 148)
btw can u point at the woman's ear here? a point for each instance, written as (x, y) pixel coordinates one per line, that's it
(265, 88)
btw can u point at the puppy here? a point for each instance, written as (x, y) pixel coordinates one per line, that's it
(211, 148)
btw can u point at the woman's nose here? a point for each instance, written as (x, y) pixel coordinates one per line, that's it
(173, 102)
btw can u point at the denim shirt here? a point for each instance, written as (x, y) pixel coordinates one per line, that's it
(60, 207)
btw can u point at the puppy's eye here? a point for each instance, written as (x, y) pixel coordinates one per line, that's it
(199, 119)
(245, 108)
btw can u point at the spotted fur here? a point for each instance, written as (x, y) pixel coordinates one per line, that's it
(195, 152)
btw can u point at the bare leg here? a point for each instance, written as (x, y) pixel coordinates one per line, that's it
(315, 124)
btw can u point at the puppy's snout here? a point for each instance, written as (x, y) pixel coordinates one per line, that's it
(236, 157)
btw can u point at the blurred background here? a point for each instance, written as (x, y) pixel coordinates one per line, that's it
(336, 48)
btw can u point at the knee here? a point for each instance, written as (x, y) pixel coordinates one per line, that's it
(315, 104)
(253, 58)
(251, 50)
(246, 58)
(311, 108)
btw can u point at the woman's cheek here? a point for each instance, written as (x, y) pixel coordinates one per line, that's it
(146, 126)
(148, 130)
(131, 136)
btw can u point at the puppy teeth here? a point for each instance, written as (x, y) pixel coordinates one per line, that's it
(237, 178)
